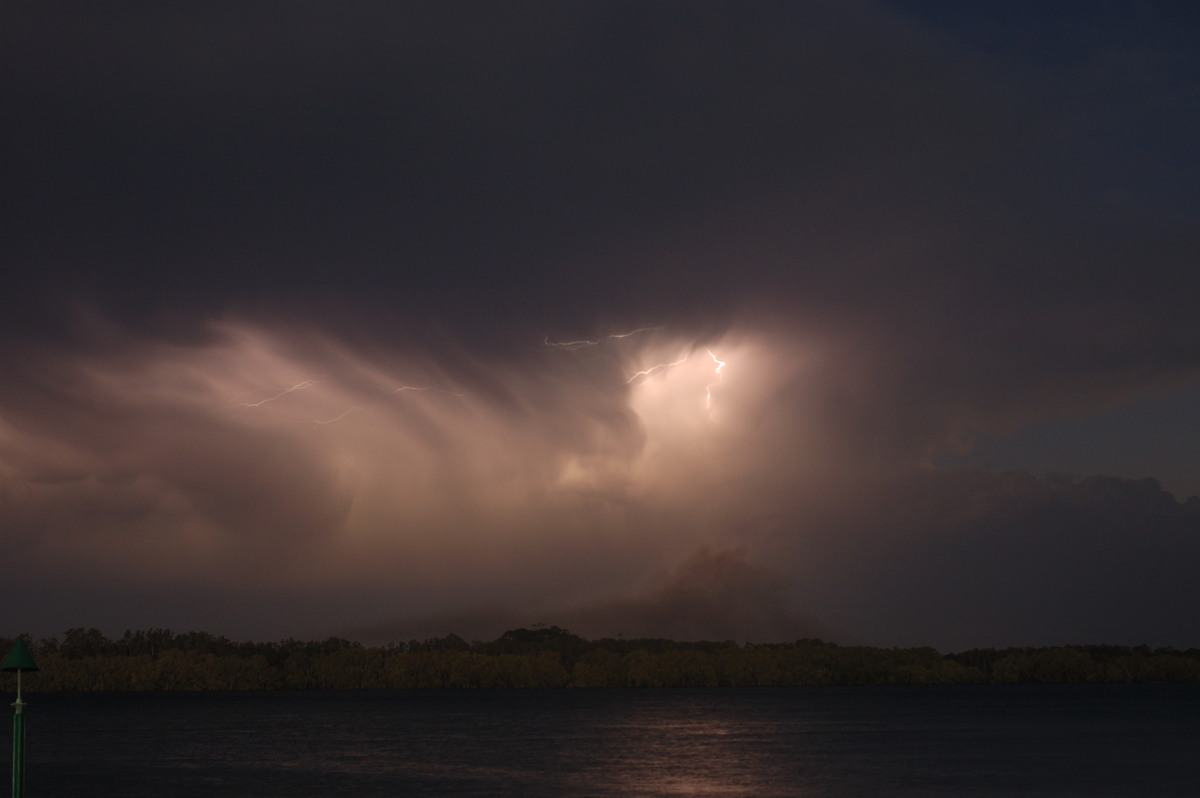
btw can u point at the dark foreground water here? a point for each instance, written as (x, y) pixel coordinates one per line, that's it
(1100, 740)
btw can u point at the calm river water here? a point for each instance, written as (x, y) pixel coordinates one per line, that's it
(1097, 740)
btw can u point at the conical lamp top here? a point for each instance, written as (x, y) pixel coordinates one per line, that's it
(19, 659)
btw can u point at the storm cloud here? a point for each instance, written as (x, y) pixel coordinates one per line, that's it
(696, 320)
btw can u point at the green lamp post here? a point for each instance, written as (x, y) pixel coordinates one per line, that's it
(19, 659)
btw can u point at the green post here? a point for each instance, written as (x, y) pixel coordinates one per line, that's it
(18, 767)
(18, 660)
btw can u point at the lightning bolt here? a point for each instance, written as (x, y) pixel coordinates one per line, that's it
(320, 423)
(571, 346)
(402, 389)
(720, 379)
(639, 377)
(568, 346)
(654, 370)
(300, 386)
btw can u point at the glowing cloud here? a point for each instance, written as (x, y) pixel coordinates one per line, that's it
(279, 467)
(219, 453)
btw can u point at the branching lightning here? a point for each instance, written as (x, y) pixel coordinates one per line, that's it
(320, 423)
(402, 389)
(720, 379)
(568, 346)
(571, 346)
(645, 373)
(639, 377)
(300, 386)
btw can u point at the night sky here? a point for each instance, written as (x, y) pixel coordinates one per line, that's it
(871, 321)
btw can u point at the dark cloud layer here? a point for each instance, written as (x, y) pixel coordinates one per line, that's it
(290, 288)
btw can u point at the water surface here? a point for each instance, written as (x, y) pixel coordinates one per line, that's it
(1094, 740)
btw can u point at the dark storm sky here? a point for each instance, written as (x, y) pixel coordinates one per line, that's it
(909, 290)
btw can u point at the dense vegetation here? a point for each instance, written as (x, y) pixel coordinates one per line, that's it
(157, 659)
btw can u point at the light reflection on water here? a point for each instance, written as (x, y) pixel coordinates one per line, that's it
(815, 743)
(694, 751)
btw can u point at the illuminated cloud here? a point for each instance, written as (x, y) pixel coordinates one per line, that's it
(603, 486)
(199, 462)
(400, 315)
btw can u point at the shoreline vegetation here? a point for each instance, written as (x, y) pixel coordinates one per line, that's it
(84, 660)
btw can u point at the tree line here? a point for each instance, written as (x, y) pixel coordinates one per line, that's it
(84, 660)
